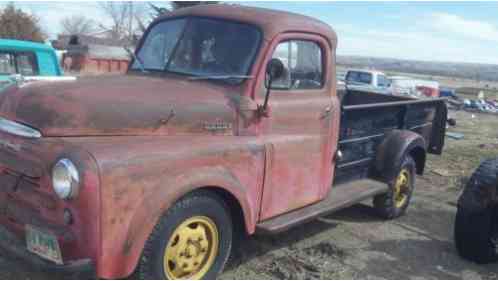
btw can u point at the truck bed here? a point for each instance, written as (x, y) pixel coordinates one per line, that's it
(366, 117)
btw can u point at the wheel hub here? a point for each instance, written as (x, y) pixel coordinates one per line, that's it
(402, 188)
(192, 249)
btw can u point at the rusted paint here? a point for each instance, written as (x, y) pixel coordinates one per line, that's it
(29, 198)
(142, 141)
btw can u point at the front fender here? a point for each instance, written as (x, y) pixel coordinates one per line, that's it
(143, 177)
(393, 148)
(155, 205)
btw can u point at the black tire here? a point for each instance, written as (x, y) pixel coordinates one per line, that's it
(476, 218)
(481, 190)
(385, 204)
(474, 235)
(202, 203)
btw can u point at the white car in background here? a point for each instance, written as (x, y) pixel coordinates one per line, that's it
(368, 80)
(403, 86)
(406, 86)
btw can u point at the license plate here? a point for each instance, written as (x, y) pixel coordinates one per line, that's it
(43, 244)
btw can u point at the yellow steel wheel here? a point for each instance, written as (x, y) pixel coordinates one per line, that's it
(402, 188)
(192, 249)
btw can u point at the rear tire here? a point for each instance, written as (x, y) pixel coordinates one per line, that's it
(192, 240)
(394, 203)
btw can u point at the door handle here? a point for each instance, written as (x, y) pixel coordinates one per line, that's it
(326, 112)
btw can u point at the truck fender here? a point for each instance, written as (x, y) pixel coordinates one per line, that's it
(155, 205)
(394, 147)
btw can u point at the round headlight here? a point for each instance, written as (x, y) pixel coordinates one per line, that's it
(65, 179)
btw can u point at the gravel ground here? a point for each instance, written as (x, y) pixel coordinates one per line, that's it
(356, 244)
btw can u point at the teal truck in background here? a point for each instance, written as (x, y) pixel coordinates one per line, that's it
(27, 59)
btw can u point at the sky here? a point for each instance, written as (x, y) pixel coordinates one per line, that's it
(430, 31)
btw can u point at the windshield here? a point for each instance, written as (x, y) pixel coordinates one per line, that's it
(199, 47)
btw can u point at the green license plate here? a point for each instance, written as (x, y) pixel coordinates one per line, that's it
(43, 244)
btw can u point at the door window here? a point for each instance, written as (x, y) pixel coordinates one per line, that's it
(18, 63)
(358, 77)
(303, 65)
(382, 81)
(26, 64)
(7, 65)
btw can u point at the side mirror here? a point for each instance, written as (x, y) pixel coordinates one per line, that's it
(274, 70)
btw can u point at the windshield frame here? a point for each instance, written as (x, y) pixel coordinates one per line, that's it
(188, 19)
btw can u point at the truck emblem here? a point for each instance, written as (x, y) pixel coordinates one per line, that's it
(217, 125)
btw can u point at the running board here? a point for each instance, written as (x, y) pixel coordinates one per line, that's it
(339, 197)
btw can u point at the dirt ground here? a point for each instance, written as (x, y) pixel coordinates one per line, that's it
(355, 243)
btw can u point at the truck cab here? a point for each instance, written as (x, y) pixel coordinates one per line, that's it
(368, 80)
(27, 59)
(228, 121)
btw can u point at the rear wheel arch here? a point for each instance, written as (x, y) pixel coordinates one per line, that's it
(418, 154)
(392, 150)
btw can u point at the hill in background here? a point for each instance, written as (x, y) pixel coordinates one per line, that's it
(474, 71)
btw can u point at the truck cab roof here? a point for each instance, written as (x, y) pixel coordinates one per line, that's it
(39, 59)
(270, 22)
(23, 45)
(374, 72)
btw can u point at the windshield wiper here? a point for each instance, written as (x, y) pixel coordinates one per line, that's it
(135, 57)
(220, 77)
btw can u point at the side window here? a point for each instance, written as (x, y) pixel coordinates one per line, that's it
(302, 65)
(26, 63)
(382, 81)
(7, 65)
(359, 77)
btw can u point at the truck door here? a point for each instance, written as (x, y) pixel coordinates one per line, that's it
(303, 116)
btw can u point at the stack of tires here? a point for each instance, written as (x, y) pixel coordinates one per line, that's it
(476, 223)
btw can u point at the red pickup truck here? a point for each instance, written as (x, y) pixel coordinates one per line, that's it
(227, 121)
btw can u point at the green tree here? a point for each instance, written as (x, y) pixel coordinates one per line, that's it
(16, 24)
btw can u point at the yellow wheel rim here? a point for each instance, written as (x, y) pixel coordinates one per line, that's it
(402, 188)
(192, 249)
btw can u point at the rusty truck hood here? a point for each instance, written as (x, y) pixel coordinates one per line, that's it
(119, 105)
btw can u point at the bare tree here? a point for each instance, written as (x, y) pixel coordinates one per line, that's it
(124, 17)
(156, 11)
(78, 25)
(175, 5)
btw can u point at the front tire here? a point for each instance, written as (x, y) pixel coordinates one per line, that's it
(192, 240)
(394, 203)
